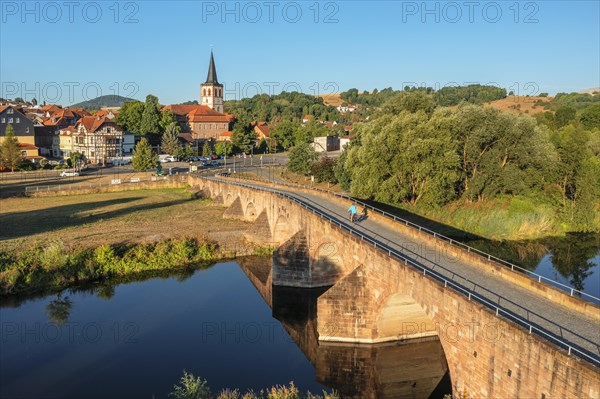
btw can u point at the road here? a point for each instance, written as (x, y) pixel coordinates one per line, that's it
(579, 331)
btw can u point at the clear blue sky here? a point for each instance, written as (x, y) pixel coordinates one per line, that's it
(54, 52)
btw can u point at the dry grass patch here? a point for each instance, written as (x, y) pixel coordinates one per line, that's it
(90, 220)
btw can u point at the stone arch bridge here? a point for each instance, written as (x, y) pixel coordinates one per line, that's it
(503, 334)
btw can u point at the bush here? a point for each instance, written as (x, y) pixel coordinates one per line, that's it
(324, 170)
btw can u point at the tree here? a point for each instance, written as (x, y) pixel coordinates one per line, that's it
(243, 135)
(224, 148)
(301, 158)
(143, 157)
(206, 150)
(285, 134)
(406, 158)
(166, 118)
(170, 140)
(130, 116)
(324, 170)
(75, 159)
(10, 151)
(151, 116)
(565, 115)
(342, 173)
(590, 117)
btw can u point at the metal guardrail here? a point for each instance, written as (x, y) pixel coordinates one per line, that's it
(541, 279)
(583, 354)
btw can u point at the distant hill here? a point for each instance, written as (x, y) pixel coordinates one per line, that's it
(103, 101)
(590, 91)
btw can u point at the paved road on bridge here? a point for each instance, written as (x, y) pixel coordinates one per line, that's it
(569, 326)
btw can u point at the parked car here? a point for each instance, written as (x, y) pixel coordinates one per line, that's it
(66, 173)
(169, 158)
(215, 163)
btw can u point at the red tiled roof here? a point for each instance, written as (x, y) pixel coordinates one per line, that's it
(198, 113)
(3, 107)
(92, 123)
(183, 109)
(27, 146)
(51, 108)
(264, 130)
(309, 116)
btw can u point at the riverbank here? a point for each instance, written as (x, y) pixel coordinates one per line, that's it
(52, 266)
(55, 242)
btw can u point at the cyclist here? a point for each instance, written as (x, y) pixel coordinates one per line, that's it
(352, 210)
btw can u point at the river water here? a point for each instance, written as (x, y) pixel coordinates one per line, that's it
(226, 324)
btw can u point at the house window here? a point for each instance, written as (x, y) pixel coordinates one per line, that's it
(18, 120)
(27, 129)
(10, 120)
(10, 111)
(23, 153)
(3, 120)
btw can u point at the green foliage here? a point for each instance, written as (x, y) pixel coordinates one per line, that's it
(243, 135)
(75, 159)
(10, 153)
(59, 309)
(191, 387)
(474, 94)
(375, 99)
(130, 116)
(564, 115)
(343, 174)
(151, 117)
(284, 133)
(590, 117)
(206, 150)
(501, 153)
(301, 158)
(53, 266)
(409, 101)
(143, 157)
(185, 152)
(578, 101)
(167, 117)
(170, 139)
(284, 106)
(224, 148)
(324, 170)
(408, 157)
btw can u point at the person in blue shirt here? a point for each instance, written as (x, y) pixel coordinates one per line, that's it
(352, 210)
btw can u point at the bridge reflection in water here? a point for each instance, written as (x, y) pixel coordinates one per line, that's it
(414, 368)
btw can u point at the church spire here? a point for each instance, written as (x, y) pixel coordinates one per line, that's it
(212, 71)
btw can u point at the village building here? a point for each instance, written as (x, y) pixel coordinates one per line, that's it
(98, 138)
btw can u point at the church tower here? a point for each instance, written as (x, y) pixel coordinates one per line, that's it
(211, 91)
